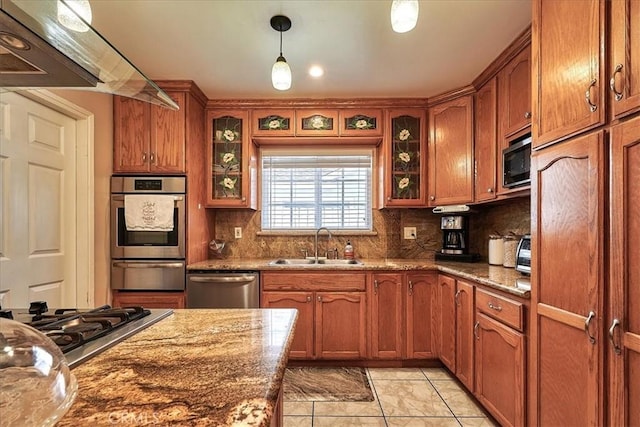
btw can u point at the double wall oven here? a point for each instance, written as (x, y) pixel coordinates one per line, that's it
(148, 259)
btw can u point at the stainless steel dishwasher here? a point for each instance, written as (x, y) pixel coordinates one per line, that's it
(223, 289)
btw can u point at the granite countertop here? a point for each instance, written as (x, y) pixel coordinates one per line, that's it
(497, 277)
(194, 368)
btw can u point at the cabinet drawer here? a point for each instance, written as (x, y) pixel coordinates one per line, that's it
(296, 281)
(500, 308)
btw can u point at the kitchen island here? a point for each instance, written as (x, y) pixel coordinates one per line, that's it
(194, 368)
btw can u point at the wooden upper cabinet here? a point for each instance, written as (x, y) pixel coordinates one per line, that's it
(402, 158)
(624, 53)
(356, 122)
(148, 138)
(232, 167)
(317, 123)
(273, 122)
(515, 94)
(569, 80)
(624, 271)
(568, 200)
(451, 152)
(486, 142)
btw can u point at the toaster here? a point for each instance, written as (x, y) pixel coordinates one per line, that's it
(523, 255)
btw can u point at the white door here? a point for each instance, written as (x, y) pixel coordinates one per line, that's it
(38, 204)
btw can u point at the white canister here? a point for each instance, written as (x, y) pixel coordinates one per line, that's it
(510, 247)
(496, 249)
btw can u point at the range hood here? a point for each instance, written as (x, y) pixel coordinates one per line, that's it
(37, 51)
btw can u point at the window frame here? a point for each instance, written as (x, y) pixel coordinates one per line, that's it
(328, 150)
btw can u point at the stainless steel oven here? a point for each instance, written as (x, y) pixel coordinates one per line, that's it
(143, 259)
(127, 244)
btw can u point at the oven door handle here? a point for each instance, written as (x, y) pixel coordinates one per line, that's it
(121, 198)
(143, 264)
(222, 279)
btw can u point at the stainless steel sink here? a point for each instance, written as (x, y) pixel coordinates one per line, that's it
(298, 262)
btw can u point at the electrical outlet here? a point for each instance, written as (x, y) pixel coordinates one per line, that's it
(238, 232)
(410, 233)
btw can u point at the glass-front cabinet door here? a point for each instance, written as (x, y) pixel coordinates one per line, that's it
(232, 161)
(404, 159)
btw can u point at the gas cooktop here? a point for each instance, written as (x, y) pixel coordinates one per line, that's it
(82, 334)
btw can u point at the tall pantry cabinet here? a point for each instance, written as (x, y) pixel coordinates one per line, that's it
(584, 357)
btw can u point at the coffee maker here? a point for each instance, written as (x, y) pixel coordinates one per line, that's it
(455, 243)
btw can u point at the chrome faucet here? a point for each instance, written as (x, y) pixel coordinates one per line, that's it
(316, 245)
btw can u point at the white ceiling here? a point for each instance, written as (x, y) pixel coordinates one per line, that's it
(228, 46)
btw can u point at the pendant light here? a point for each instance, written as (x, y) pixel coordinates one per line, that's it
(404, 15)
(70, 13)
(281, 72)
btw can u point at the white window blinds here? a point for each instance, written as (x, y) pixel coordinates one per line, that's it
(305, 191)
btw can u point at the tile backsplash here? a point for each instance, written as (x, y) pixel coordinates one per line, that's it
(511, 215)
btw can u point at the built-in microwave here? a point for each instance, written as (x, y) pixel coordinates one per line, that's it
(516, 163)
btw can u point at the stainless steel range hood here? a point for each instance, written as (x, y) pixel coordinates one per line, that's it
(37, 51)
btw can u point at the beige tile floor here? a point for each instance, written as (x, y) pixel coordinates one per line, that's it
(404, 397)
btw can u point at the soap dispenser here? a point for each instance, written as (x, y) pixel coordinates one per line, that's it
(348, 250)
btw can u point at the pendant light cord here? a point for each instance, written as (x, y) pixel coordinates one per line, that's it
(280, 30)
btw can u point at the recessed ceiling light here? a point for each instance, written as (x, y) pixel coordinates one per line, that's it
(316, 71)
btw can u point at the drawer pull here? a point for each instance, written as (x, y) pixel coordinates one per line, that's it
(612, 329)
(587, 323)
(587, 96)
(494, 307)
(612, 83)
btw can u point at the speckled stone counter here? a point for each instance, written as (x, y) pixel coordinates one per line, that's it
(504, 279)
(194, 368)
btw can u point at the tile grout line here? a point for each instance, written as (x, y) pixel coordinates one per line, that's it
(373, 386)
(444, 401)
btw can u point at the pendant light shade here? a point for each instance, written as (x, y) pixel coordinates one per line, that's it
(404, 15)
(281, 72)
(68, 12)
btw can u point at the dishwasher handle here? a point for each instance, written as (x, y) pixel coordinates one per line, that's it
(222, 280)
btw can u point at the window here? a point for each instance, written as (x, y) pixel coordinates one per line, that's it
(305, 190)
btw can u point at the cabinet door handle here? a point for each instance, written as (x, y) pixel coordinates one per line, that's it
(375, 286)
(308, 299)
(494, 307)
(612, 329)
(527, 115)
(475, 330)
(389, 198)
(152, 158)
(489, 190)
(587, 95)
(612, 83)
(432, 197)
(410, 287)
(587, 323)
(144, 157)
(319, 298)
(455, 297)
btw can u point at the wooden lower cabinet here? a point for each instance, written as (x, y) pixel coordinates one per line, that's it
(149, 299)
(331, 322)
(302, 345)
(623, 352)
(340, 325)
(567, 283)
(420, 315)
(386, 316)
(446, 321)
(500, 370)
(465, 308)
